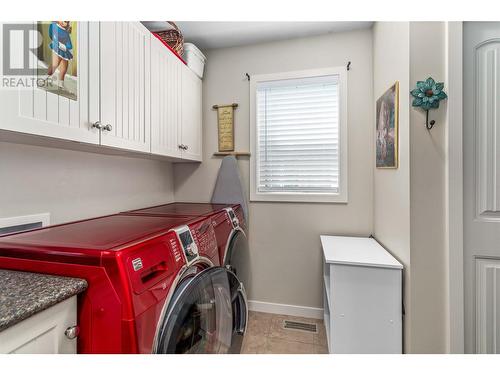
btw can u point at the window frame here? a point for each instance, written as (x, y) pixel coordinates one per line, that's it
(341, 196)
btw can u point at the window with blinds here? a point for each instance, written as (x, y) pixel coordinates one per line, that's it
(297, 135)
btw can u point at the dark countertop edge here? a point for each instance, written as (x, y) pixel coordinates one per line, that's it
(80, 285)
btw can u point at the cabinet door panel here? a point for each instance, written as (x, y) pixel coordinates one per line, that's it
(35, 111)
(42, 333)
(191, 132)
(64, 111)
(165, 100)
(124, 68)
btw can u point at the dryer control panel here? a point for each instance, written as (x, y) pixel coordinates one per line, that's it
(188, 244)
(232, 217)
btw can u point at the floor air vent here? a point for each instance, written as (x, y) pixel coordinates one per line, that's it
(301, 326)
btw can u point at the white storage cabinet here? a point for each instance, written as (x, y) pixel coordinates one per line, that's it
(165, 101)
(35, 111)
(44, 332)
(362, 296)
(176, 106)
(134, 94)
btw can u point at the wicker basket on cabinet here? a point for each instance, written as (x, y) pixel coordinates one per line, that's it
(173, 37)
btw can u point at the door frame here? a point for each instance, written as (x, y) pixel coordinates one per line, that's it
(454, 182)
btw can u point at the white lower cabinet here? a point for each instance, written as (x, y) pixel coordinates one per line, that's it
(363, 309)
(44, 332)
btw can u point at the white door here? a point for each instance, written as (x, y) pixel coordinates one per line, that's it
(191, 131)
(125, 79)
(482, 186)
(36, 111)
(165, 100)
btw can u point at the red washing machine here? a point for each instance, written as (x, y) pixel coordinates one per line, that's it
(155, 282)
(229, 225)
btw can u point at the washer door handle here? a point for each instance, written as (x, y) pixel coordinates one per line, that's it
(242, 327)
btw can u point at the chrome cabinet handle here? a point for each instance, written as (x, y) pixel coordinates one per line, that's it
(183, 147)
(72, 332)
(98, 125)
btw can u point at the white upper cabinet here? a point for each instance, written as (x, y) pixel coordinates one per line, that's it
(123, 89)
(191, 115)
(37, 111)
(165, 100)
(125, 79)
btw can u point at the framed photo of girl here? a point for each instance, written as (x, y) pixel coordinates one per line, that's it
(57, 58)
(387, 128)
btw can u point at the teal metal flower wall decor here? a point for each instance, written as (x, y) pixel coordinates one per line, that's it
(427, 95)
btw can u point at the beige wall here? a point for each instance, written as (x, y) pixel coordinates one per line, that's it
(73, 185)
(284, 237)
(391, 187)
(409, 203)
(427, 196)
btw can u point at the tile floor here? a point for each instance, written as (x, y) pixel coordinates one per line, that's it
(266, 335)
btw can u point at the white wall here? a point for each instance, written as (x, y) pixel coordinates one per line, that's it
(409, 203)
(428, 196)
(284, 237)
(391, 213)
(73, 185)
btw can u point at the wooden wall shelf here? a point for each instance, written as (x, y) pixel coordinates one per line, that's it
(234, 153)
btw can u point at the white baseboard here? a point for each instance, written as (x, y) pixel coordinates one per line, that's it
(279, 308)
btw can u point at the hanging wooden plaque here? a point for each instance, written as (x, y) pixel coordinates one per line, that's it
(225, 125)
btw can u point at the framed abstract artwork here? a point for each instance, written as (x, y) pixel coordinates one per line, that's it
(387, 128)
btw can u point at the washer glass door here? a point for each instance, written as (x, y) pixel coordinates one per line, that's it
(207, 314)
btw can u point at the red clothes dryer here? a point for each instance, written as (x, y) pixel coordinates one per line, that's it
(155, 283)
(229, 225)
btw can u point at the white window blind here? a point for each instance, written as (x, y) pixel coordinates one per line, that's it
(297, 137)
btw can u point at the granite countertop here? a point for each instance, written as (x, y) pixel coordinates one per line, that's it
(23, 294)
